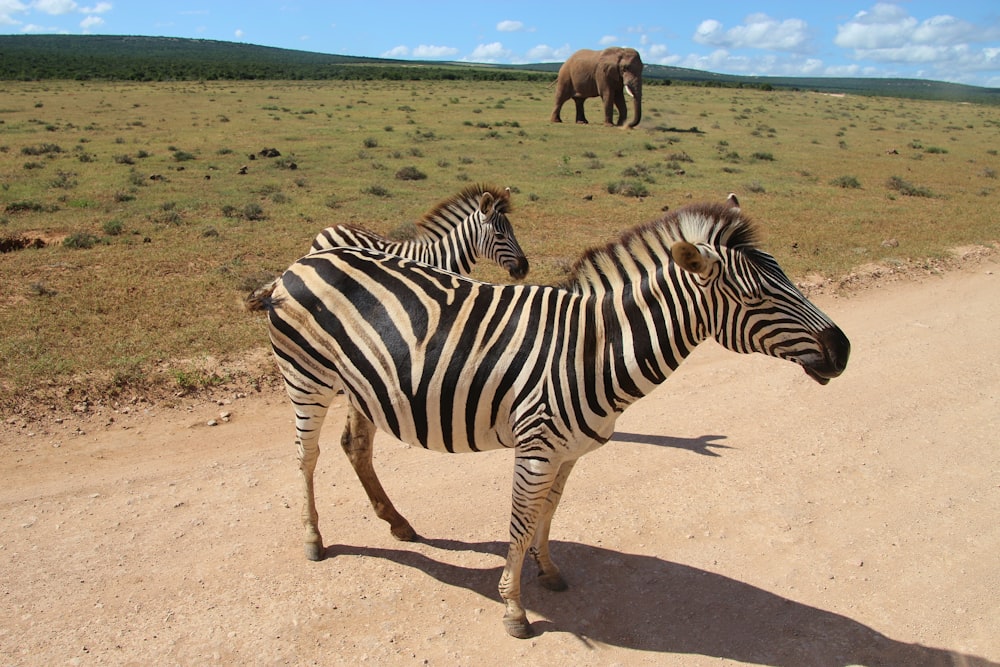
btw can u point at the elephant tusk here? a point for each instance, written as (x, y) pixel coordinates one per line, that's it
(628, 89)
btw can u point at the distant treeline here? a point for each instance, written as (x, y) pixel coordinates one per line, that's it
(101, 57)
(128, 58)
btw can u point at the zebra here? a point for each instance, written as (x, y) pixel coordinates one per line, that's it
(453, 235)
(456, 365)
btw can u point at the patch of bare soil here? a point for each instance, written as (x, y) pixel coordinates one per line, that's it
(741, 514)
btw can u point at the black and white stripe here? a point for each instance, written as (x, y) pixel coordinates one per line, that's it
(456, 365)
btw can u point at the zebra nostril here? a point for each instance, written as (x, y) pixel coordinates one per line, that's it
(520, 269)
(836, 346)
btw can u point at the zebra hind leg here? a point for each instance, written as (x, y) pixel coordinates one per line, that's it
(308, 422)
(548, 574)
(357, 442)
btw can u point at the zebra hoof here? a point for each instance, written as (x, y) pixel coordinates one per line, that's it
(315, 552)
(519, 628)
(553, 582)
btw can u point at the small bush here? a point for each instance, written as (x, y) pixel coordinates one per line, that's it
(410, 174)
(113, 227)
(904, 188)
(849, 182)
(762, 157)
(370, 142)
(628, 189)
(23, 207)
(253, 211)
(64, 180)
(81, 241)
(376, 190)
(406, 231)
(183, 156)
(41, 149)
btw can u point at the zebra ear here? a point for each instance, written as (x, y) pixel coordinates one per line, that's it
(486, 203)
(690, 258)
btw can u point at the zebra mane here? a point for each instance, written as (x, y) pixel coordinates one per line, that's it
(717, 225)
(449, 213)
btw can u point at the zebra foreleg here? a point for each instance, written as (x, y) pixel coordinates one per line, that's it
(548, 574)
(533, 479)
(357, 442)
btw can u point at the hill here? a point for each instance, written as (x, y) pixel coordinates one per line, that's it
(135, 58)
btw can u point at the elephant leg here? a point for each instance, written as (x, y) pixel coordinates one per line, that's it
(609, 109)
(622, 109)
(533, 479)
(548, 574)
(554, 118)
(357, 442)
(580, 118)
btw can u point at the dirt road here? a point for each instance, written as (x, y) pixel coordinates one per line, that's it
(742, 514)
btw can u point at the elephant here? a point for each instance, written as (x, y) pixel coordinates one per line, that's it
(609, 74)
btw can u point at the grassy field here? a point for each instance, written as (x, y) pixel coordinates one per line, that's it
(152, 235)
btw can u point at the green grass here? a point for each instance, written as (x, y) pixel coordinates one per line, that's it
(147, 258)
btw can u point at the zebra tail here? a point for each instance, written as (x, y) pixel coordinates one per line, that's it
(260, 298)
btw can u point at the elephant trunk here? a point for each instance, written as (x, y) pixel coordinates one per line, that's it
(634, 89)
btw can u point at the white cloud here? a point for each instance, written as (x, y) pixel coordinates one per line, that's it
(8, 8)
(54, 7)
(425, 51)
(397, 52)
(510, 26)
(945, 45)
(238, 33)
(885, 26)
(35, 28)
(91, 22)
(889, 26)
(99, 8)
(545, 53)
(658, 54)
(489, 53)
(759, 31)
(608, 40)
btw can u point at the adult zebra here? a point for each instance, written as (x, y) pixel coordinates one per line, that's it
(456, 365)
(452, 236)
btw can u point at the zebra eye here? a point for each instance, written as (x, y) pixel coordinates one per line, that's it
(754, 301)
(499, 236)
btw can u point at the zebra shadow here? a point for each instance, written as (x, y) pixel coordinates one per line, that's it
(646, 603)
(699, 445)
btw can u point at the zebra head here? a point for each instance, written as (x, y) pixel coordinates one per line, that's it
(494, 235)
(751, 304)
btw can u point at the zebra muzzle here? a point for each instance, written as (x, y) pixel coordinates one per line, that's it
(836, 349)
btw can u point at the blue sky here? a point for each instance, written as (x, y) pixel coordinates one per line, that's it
(955, 41)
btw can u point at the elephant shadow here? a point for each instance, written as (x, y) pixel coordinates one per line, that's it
(646, 603)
